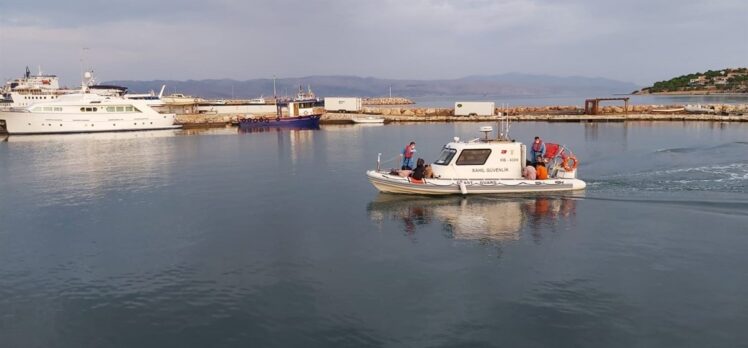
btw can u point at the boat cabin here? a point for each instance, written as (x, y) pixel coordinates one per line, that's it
(296, 108)
(480, 159)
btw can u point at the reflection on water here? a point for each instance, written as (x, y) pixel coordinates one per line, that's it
(105, 136)
(76, 168)
(476, 218)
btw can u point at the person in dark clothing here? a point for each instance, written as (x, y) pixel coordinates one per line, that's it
(419, 172)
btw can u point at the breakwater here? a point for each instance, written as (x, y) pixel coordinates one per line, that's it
(718, 113)
(387, 101)
(347, 118)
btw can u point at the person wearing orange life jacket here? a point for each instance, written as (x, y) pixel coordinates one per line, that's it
(407, 154)
(542, 172)
(537, 150)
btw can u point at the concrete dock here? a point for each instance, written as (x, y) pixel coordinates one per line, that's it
(222, 120)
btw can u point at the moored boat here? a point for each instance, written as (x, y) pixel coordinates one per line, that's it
(368, 120)
(483, 166)
(85, 112)
(32, 89)
(295, 113)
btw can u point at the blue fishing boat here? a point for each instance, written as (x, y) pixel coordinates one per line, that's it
(301, 112)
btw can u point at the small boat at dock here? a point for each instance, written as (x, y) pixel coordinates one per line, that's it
(289, 114)
(483, 166)
(303, 111)
(368, 120)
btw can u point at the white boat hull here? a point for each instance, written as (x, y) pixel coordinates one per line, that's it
(367, 120)
(385, 182)
(16, 123)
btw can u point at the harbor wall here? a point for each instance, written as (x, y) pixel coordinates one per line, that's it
(721, 113)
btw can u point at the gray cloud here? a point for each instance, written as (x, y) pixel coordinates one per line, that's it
(639, 41)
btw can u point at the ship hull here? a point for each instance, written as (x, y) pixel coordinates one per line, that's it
(22, 123)
(309, 121)
(385, 182)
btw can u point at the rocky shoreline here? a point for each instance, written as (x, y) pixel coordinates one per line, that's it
(387, 101)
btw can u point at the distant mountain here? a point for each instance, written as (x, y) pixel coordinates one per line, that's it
(487, 85)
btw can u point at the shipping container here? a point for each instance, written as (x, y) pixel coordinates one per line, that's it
(475, 108)
(340, 104)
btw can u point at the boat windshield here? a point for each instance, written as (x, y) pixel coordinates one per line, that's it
(446, 156)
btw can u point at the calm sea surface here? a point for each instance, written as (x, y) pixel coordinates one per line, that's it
(275, 239)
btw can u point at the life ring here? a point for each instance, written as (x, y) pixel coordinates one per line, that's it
(569, 167)
(306, 113)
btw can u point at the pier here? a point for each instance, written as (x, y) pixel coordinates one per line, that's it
(722, 113)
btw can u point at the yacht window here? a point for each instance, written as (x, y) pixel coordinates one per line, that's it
(110, 109)
(120, 109)
(446, 156)
(128, 108)
(38, 109)
(95, 109)
(48, 108)
(83, 109)
(58, 108)
(473, 157)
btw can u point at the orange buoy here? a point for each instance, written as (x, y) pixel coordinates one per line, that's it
(570, 166)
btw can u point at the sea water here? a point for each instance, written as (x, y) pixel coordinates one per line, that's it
(276, 239)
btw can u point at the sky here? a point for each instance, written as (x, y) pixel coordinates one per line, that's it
(639, 41)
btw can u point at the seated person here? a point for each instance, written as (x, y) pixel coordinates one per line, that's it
(419, 172)
(404, 173)
(529, 172)
(542, 172)
(428, 172)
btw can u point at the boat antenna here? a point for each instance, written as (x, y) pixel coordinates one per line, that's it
(86, 75)
(504, 124)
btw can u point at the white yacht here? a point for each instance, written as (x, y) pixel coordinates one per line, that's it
(85, 112)
(31, 89)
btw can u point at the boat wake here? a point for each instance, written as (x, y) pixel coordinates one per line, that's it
(731, 177)
(696, 149)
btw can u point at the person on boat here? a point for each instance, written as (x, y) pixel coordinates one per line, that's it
(420, 172)
(542, 172)
(529, 172)
(537, 150)
(428, 172)
(407, 154)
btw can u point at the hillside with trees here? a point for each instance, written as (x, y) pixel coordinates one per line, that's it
(712, 81)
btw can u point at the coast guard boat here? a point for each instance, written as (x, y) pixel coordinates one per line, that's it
(481, 166)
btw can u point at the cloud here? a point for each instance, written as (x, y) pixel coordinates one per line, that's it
(638, 41)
